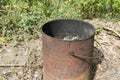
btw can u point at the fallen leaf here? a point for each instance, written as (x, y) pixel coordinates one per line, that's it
(2, 39)
(118, 22)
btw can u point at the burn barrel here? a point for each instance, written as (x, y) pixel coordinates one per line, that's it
(67, 49)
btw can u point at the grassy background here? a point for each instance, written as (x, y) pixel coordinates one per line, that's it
(22, 19)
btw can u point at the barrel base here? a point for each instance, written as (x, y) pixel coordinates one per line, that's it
(83, 76)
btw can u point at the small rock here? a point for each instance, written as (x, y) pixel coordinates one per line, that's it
(7, 74)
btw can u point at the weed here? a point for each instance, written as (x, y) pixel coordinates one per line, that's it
(20, 19)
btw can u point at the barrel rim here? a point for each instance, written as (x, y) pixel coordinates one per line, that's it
(68, 20)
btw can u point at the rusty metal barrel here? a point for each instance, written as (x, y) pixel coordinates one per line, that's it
(67, 59)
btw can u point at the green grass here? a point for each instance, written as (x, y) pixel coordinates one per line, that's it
(22, 19)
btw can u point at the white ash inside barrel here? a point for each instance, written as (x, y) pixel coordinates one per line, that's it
(70, 36)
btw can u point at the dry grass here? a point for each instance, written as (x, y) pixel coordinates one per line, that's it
(26, 61)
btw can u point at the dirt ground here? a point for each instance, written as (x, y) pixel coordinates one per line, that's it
(23, 61)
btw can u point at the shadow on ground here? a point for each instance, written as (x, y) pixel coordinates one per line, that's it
(98, 60)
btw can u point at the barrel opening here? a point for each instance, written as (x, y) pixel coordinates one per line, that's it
(68, 29)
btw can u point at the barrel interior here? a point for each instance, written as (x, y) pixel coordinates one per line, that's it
(62, 28)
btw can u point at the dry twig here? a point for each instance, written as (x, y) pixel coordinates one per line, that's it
(13, 65)
(18, 65)
(112, 30)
